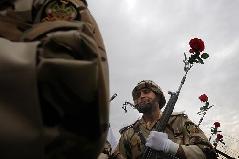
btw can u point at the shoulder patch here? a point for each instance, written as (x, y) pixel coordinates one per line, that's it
(60, 10)
(122, 130)
(179, 118)
(191, 127)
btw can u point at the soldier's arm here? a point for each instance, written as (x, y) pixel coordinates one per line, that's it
(116, 154)
(123, 149)
(196, 143)
(120, 151)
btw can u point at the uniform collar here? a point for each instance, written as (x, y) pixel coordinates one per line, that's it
(149, 125)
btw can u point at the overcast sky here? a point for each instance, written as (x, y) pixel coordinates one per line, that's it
(147, 39)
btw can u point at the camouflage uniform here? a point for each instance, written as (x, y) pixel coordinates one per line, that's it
(54, 76)
(106, 153)
(193, 143)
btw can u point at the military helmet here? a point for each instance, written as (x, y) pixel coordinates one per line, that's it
(152, 86)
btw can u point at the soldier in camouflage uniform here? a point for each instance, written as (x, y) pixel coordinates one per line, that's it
(181, 137)
(54, 76)
(106, 153)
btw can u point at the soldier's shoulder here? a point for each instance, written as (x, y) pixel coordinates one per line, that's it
(179, 114)
(178, 120)
(127, 128)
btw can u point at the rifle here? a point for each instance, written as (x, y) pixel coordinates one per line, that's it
(161, 124)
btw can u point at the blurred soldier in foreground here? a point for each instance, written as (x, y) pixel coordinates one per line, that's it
(109, 146)
(54, 77)
(182, 138)
(106, 153)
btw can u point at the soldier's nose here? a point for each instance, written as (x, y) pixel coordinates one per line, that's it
(142, 94)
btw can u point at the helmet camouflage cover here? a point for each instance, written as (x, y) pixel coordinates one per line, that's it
(153, 87)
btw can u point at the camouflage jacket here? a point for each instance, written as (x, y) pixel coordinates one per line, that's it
(180, 129)
(54, 76)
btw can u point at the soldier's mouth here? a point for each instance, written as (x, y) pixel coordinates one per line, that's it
(144, 106)
(145, 101)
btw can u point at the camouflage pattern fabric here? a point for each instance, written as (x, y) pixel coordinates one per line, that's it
(179, 129)
(54, 76)
(106, 153)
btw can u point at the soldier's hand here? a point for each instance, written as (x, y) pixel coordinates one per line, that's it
(159, 141)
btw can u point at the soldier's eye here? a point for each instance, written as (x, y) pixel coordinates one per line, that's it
(137, 94)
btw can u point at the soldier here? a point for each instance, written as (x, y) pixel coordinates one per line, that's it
(109, 145)
(54, 76)
(181, 137)
(106, 153)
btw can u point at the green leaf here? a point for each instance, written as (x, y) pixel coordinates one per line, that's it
(200, 60)
(190, 60)
(207, 104)
(205, 55)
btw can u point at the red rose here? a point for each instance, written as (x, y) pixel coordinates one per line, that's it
(219, 136)
(217, 124)
(203, 98)
(196, 45)
(191, 51)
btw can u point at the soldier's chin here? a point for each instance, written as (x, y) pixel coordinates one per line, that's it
(144, 108)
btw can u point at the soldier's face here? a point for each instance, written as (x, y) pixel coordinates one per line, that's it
(145, 100)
